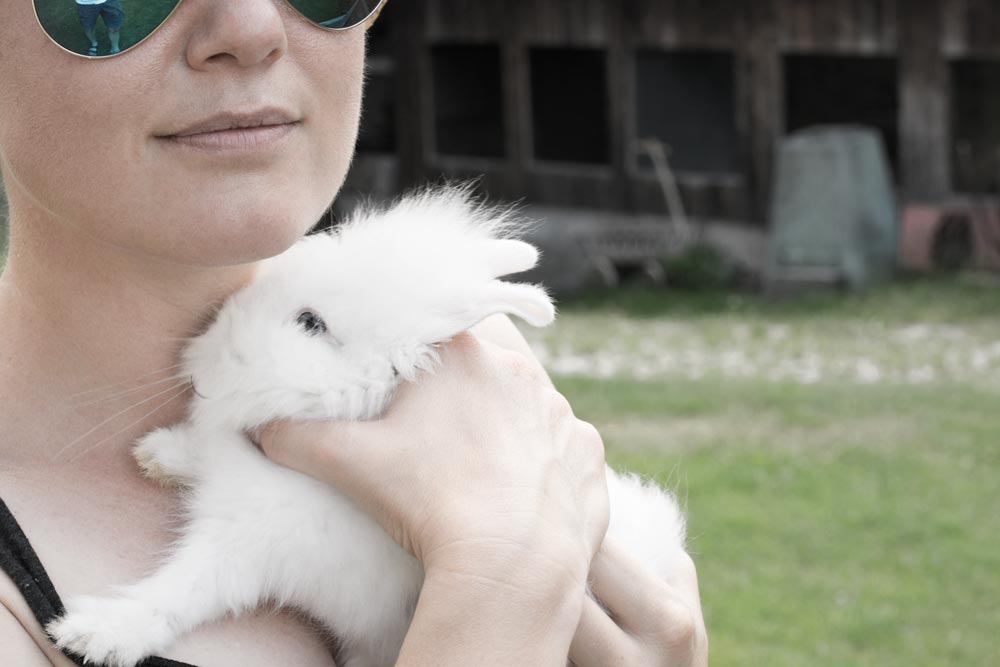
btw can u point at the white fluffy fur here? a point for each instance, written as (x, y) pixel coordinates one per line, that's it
(390, 286)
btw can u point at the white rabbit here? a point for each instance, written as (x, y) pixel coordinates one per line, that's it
(327, 330)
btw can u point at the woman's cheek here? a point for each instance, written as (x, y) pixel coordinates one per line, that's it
(74, 138)
(339, 82)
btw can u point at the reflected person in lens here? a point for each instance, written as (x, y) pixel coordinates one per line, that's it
(110, 11)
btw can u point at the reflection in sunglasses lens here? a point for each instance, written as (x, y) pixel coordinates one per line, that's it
(101, 27)
(336, 14)
(107, 27)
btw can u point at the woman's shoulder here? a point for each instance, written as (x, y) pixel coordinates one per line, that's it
(19, 647)
(90, 536)
(22, 641)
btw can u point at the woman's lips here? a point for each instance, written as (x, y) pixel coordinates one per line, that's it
(236, 140)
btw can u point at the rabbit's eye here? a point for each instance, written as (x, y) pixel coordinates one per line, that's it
(311, 322)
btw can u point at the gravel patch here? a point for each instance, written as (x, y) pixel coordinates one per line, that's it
(861, 352)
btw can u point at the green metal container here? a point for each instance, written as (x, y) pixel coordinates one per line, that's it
(833, 210)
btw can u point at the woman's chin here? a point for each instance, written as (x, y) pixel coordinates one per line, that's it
(239, 236)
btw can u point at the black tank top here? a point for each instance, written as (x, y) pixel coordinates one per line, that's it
(21, 564)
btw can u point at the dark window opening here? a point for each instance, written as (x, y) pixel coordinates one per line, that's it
(377, 133)
(569, 105)
(686, 99)
(975, 132)
(468, 100)
(852, 90)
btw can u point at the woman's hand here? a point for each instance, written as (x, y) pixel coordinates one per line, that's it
(653, 623)
(483, 473)
(648, 623)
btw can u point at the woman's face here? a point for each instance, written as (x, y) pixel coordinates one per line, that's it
(87, 143)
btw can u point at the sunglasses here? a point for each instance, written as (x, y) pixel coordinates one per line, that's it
(103, 28)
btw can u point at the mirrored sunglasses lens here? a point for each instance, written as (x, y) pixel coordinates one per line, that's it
(336, 14)
(101, 27)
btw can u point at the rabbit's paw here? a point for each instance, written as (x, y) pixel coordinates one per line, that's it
(116, 632)
(163, 456)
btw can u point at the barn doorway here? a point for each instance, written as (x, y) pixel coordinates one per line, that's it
(569, 105)
(975, 134)
(856, 90)
(687, 99)
(468, 100)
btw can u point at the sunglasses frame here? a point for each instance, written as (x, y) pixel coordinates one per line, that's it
(366, 22)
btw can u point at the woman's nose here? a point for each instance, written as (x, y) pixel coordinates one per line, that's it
(245, 33)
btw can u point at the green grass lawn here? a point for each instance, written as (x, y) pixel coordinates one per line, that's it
(836, 518)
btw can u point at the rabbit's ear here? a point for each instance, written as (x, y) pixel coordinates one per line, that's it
(528, 302)
(506, 256)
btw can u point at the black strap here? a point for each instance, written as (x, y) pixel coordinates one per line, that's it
(21, 564)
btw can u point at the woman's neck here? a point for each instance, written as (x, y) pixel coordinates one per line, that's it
(89, 340)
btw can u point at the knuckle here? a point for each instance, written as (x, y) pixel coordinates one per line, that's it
(676, 625)
(517, 367)
(463, 344)
(561, 409)
(520, 365)
(591, 438)
(602, 514)
(685, 567)
(268, 438)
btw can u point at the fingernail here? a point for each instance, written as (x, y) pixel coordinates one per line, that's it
(262, 435)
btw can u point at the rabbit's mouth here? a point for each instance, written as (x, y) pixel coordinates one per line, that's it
(195, 390)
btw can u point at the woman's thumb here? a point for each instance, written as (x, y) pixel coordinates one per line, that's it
(316, 448)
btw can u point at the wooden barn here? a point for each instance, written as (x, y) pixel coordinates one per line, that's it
(547, 100)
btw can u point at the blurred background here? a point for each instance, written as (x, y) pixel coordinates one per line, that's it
(773, 230)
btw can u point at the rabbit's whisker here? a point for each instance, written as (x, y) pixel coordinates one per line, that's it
(137, 388)
(125, 382)
(184, 385)
(167, 401)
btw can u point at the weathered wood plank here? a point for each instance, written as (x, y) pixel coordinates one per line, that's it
(412, 86)
(763, 96)
(565, 22)
(838, 26)
(924, 114)
(922, 33)
(971, 28)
